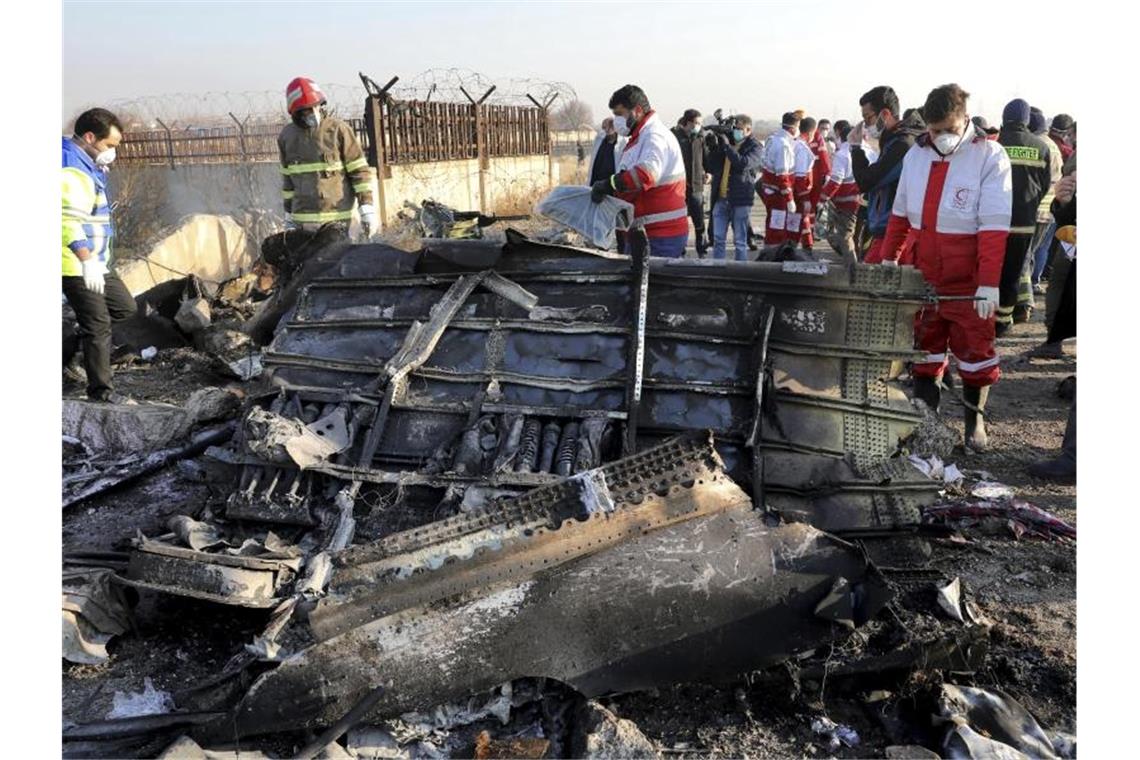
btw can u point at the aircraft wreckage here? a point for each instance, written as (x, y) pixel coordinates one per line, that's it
(615, 472)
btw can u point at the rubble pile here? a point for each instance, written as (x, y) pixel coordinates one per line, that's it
(474, 491)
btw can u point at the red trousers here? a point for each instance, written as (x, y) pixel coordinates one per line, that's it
(806, 208)
(776, 219)
(955, 325)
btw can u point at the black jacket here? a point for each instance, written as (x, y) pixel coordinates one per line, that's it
(879, 181)
(894, 143)
(1065, 214)
(744, 168)
(693, 154)
(1029, 159)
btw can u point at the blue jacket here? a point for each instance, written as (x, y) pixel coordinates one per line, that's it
(86, 213)
(744, 168)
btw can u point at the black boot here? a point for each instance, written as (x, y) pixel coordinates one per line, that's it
(975, 399)
(927, 391)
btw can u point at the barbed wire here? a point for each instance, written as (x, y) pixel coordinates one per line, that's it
(184, 110)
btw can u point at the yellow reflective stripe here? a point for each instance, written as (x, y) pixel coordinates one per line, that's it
(310, 168)
(287, 193)
(1027, 162)
(359, 163)
(71, 212)
(362, 187)
(321, 216)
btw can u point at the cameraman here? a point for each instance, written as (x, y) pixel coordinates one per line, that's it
(735, 163)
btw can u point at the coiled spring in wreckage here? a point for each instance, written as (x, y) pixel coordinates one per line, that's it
(529, 445)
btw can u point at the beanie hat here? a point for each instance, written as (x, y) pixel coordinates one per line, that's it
(1016, 111)
(1062, 122)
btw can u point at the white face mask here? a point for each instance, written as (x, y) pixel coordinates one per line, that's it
(947, 142)
(313, 120)
(621, 126)
(105, 158)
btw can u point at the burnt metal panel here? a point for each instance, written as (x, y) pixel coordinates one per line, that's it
(650, 571)
(559, 329)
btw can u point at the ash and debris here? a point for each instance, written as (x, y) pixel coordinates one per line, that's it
(1003, 554)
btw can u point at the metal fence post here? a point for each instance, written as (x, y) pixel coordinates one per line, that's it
(377, 98)
(241, 136)
(169, 142)
(544, 112)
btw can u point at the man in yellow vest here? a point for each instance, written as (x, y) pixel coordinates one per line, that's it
(91, 287)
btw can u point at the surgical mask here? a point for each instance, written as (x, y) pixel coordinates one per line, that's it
(737, 135)
(875, 131)
(621, 126)
(105, 158)
(695, 129)
(312, 120)
(823, 133)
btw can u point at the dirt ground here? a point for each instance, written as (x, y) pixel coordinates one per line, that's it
(1027, 588)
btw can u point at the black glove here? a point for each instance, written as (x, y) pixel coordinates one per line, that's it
(722, 138)
(600, 189)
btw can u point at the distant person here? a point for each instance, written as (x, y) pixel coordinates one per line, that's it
(650, 174)
(820, 170)
(843, 193)
(324, 170)
(826, 133)
(878, 181)
(1060, 133)
(1029, 157)
(581, 152)
(800, 224)
(604, 157)
(735, 164)
(688, 134)
(984, 127)
(777, 177)
(96, 294)
(955, 190)
(1063, 467)
(1043, 237)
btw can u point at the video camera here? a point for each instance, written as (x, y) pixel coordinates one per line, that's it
(724, 125)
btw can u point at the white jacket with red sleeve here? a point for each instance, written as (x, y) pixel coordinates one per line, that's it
(960, 207)
(651, 176)
(840, 187)
(777, 163)
(803, 164)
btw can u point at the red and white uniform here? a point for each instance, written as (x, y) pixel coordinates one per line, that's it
(957, 210)
(777, 165)
(652, 165)
(820, 169)
(799, 223)
(840, 187)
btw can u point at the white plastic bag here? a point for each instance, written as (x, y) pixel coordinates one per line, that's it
(571, 205)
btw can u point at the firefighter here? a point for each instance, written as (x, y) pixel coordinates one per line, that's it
(956, 192)
(776, 179)
(1029, 157)
(323, 169)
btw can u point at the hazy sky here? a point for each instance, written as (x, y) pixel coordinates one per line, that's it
(758, 58)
